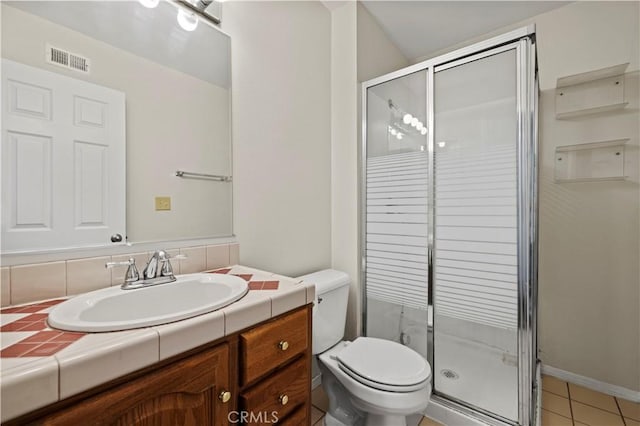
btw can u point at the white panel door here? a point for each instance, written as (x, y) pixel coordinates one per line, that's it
(63, 161)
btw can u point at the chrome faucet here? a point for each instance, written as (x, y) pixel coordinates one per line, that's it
(157, 271)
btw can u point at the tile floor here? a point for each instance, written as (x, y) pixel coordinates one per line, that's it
(321, 404)
(572, 405)
(563, 404)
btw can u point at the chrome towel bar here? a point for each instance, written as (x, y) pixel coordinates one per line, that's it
(218, 178)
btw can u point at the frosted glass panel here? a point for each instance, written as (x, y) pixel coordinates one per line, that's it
(396, 208)
(475, 234)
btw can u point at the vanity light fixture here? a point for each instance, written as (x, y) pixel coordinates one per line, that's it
(187, 20)
(149, 4)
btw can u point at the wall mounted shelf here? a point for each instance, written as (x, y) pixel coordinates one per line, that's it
(589, 162)
(591, 92)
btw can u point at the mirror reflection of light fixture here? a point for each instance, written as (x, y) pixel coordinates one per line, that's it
(187, 20)
(149, 4)
(209, 11)
(402, 123)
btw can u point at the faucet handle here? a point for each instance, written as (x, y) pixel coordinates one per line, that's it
(167, 269)
(132, 273)
(129, 262)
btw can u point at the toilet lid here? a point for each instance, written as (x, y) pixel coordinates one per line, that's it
(384, 362)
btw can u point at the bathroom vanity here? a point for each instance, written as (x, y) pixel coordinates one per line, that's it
(263, 369)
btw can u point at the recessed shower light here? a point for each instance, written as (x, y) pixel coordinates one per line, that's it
(423, 131)
(187, 20)
(407, 119)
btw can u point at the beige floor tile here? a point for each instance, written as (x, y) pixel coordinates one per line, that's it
(556, 404)
(426, 421)
(553, 419)
(319, 399)
(593, 398)
(554, 385)
(594, 416)
(631, 422)
(315, 415)
(629, 409)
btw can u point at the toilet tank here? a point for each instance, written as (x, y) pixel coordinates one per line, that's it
(330, 310)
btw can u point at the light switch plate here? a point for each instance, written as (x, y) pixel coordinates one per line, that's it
(163, 203)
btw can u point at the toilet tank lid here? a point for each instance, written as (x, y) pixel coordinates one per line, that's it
(326, 280)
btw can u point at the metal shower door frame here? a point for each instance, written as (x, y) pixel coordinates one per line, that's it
(523, 42)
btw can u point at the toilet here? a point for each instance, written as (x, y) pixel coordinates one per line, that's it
(368, 381)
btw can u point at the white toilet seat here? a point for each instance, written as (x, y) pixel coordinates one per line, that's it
(380, 386)
(384, 365)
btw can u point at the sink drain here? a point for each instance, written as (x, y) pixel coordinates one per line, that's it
(449, 374)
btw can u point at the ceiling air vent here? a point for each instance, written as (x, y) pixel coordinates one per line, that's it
(63, 58)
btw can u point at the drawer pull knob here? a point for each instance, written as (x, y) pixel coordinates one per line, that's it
(283, 345)
(224, 396)
(284, 399)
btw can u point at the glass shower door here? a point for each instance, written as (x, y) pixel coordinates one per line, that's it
(396, 228)
(475, 257)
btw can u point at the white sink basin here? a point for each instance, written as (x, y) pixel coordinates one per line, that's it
(113, 309)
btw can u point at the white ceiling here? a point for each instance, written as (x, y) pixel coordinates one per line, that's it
(421, 28)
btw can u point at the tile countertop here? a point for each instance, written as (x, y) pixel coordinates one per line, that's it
(39, 366)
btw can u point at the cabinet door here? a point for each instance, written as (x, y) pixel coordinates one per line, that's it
(183, 393)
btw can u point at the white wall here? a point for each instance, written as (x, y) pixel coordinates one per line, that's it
(589, 282)
(344, 154)
(281, 72)
(589, 279)
(377, 55)
(173, 122)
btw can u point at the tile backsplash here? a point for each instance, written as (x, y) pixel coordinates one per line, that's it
(28, 283)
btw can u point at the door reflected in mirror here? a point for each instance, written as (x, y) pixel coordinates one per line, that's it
(63, 182)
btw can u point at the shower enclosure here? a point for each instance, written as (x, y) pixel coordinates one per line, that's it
(449, 222)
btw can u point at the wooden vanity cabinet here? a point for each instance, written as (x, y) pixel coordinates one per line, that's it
(264, 371)
(187, 392)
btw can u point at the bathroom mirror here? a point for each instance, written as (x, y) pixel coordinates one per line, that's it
(173, 70)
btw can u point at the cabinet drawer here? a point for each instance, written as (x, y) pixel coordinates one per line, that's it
(297, 418)
(264, 348)
(281, 393)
